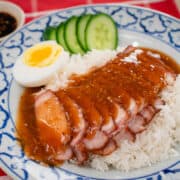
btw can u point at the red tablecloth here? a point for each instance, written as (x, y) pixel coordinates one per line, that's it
(35, 8)
(29, 6)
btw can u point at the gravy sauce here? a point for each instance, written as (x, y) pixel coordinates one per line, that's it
(116, 80)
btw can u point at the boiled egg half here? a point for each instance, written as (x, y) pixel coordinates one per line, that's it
(38, 64)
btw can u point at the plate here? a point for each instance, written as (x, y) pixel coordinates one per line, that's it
(136, 25)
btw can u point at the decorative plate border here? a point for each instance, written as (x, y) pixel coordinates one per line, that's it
(137, 19)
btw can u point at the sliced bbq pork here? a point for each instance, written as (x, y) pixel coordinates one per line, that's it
(75, 116)
(51, 118)
(96, 111)
(108, 149)
(122, 135)
(93, 138)
(53, 127)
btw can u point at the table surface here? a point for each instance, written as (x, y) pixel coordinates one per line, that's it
(36, 8)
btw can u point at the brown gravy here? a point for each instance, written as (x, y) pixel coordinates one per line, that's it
(166, 59)
(26, 121)
(7, 24)
(27, 131)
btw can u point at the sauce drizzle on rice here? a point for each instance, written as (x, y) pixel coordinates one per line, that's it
(96, 111)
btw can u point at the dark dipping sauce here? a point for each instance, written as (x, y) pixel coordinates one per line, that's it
(7, 24)
(26, 120)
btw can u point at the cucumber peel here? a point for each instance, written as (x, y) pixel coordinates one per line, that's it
(49, 33)
(70, 34)
(60, 36)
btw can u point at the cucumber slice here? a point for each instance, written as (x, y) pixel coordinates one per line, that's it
(81, 27)
(49, 33)
(60, 36)
(70, 33)
(101, 32)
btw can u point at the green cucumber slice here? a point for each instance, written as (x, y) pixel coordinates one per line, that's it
(81, 27)
(70, 34)
(49, 33)
(101, 32)
(60, 36)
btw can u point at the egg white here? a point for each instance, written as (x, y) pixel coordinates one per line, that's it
(29, 76)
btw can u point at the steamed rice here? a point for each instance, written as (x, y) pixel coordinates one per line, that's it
(152, 145)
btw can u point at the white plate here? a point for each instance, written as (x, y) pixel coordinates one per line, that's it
(135, 25)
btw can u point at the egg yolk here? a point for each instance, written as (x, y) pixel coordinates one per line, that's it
(42, 55)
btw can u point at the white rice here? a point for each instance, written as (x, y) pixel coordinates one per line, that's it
(155, 144)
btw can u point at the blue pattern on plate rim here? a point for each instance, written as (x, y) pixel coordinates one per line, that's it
(137, 19)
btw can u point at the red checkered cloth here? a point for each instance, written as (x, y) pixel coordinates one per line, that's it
(36, 8)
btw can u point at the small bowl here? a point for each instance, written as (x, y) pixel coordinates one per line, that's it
(15, 11)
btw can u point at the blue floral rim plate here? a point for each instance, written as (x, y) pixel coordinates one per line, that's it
(135, 25)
